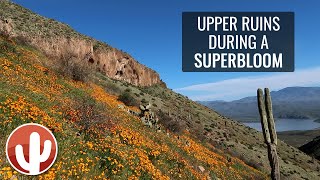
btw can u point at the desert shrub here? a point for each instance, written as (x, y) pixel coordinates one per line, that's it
(199, 133)
(22, 40)
(87, 113)
(5, 46)
(247, 160)
(78, 72)
(250, 146)
(71, 66)
(208, 129)
(173, 124)
(212, 125)
(143, 101)
(112, 88)
(254, 164)
(127, 99)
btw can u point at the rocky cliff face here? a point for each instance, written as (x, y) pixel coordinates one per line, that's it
(58, 40)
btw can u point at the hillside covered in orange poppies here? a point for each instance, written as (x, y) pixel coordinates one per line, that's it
(115, 145)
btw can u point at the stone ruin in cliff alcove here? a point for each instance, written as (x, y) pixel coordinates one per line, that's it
(91, 60)
(119, 73)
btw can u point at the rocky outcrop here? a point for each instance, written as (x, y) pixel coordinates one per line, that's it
(147, 117)
(42, 33)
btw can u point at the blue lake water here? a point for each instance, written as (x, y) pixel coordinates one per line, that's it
(288, 125)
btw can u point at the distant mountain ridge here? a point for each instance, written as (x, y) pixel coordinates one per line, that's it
(290, 102)
(292, 93)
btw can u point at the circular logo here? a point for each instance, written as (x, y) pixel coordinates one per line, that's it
(31, 149)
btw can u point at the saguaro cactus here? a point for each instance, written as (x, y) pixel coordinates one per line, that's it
(269, 132)
(35, 158)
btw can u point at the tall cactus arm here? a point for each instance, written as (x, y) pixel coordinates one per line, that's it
(20, 157)
(263, 116)
(269, 132)
(272, 128)
(46, 151)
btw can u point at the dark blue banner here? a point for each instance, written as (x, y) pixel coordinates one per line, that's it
(238, 41)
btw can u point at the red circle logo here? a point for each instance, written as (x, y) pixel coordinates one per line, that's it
(31, 149)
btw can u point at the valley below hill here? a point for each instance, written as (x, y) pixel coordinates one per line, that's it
(306, 141)
(298, 138)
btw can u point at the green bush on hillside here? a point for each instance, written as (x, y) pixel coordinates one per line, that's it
(128, 99)
(170, 123)
(7, 47)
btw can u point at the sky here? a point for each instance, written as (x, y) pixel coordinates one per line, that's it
(151, 32)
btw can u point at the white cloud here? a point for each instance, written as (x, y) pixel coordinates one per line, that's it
(246, 86)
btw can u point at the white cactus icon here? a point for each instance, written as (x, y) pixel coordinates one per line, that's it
(35, 158)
